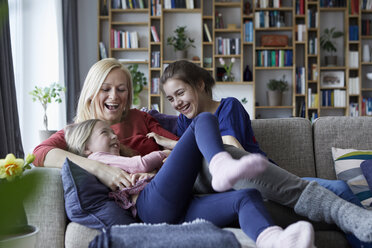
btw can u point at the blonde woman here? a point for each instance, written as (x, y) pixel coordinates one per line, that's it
(106, 95)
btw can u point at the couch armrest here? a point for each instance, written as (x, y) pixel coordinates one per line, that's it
(46, 210)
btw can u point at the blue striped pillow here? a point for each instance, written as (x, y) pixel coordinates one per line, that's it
(347, 167)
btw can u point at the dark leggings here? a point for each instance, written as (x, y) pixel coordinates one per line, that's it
(169, 198)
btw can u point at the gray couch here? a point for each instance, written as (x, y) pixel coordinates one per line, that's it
(295, 144)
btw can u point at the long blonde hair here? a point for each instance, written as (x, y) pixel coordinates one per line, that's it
(92, 85)
(77, 135)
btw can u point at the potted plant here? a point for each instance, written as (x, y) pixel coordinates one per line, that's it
(45, 95)
(180, 42)
(14, 189)
(328, 44)
(138, 80)
(276, 88)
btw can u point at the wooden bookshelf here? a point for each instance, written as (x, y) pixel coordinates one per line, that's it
(295, 13)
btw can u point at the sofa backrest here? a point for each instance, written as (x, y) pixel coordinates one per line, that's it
(341, 132)
(289, 142)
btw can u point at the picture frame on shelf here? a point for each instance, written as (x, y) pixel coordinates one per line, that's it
(332, 79)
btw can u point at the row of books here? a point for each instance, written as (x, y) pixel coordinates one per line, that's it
(301, 109)
(312, 16)
(155, 8)
(354, 59)
(124, 39)
(155, 59)
(366, 27)
(332, 3)
(353, 7)
(154, 33)
(266, 19)
(354, 85)
(300, 7)
(366, 106)
(300, 32)
(367, 4)
(313, 45)
(353, 32)
(274, 58)
(155, 82)
(248, 31)
(173, 4)
(227, 46)
(333, 98)
(268, 3)
(300, 80)
(312, 99)
(128, 4)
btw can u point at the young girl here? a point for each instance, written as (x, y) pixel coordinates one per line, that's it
(188, 87)
(168, 196)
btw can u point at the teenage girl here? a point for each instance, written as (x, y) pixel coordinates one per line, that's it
(168, 196)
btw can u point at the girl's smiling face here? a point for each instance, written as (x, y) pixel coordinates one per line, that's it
(183, 97)
(112, 97)
(102, 139)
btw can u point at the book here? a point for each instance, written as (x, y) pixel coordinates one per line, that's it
(154, 33)
(206, 29)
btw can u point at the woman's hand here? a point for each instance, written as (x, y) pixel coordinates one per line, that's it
(113, 177)
(162, 141)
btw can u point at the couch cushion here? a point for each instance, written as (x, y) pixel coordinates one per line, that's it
(46, 210)
(341, 132)
(87, 201)
(78, 236)
(347, 167)
(366, 167)
(287, 141)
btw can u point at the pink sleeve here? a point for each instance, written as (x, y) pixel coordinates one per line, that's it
(136, 164)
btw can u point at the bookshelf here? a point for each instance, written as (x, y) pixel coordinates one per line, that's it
(302, 21)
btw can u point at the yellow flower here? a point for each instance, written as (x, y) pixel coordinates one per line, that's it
(11, 167)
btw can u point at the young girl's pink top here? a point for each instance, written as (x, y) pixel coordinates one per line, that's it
(147, 163)
(131, 132)
(135, 164)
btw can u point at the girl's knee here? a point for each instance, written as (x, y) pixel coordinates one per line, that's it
(250, 194)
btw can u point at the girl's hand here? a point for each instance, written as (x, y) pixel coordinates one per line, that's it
(140, 176)
(162, 141)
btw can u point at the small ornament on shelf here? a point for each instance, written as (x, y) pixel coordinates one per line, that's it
(228, 76)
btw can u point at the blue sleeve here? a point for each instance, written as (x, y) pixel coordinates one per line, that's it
(235, 121)
(182, 124)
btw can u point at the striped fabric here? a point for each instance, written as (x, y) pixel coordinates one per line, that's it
(347, 166)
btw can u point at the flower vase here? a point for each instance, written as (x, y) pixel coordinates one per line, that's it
(228, 77)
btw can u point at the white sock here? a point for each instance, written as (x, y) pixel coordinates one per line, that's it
(226, 171)
(297, 235)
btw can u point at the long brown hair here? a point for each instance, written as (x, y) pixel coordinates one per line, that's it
(189, 73)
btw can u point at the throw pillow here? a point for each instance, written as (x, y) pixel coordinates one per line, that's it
(347, 166)
(366, 167)
(87, 201)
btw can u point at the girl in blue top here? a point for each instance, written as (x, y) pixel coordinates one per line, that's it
(188, 88)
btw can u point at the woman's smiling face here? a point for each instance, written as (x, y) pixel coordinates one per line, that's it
(183, 97)
(112, 97)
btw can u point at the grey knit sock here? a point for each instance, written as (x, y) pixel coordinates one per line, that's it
(320, 204)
